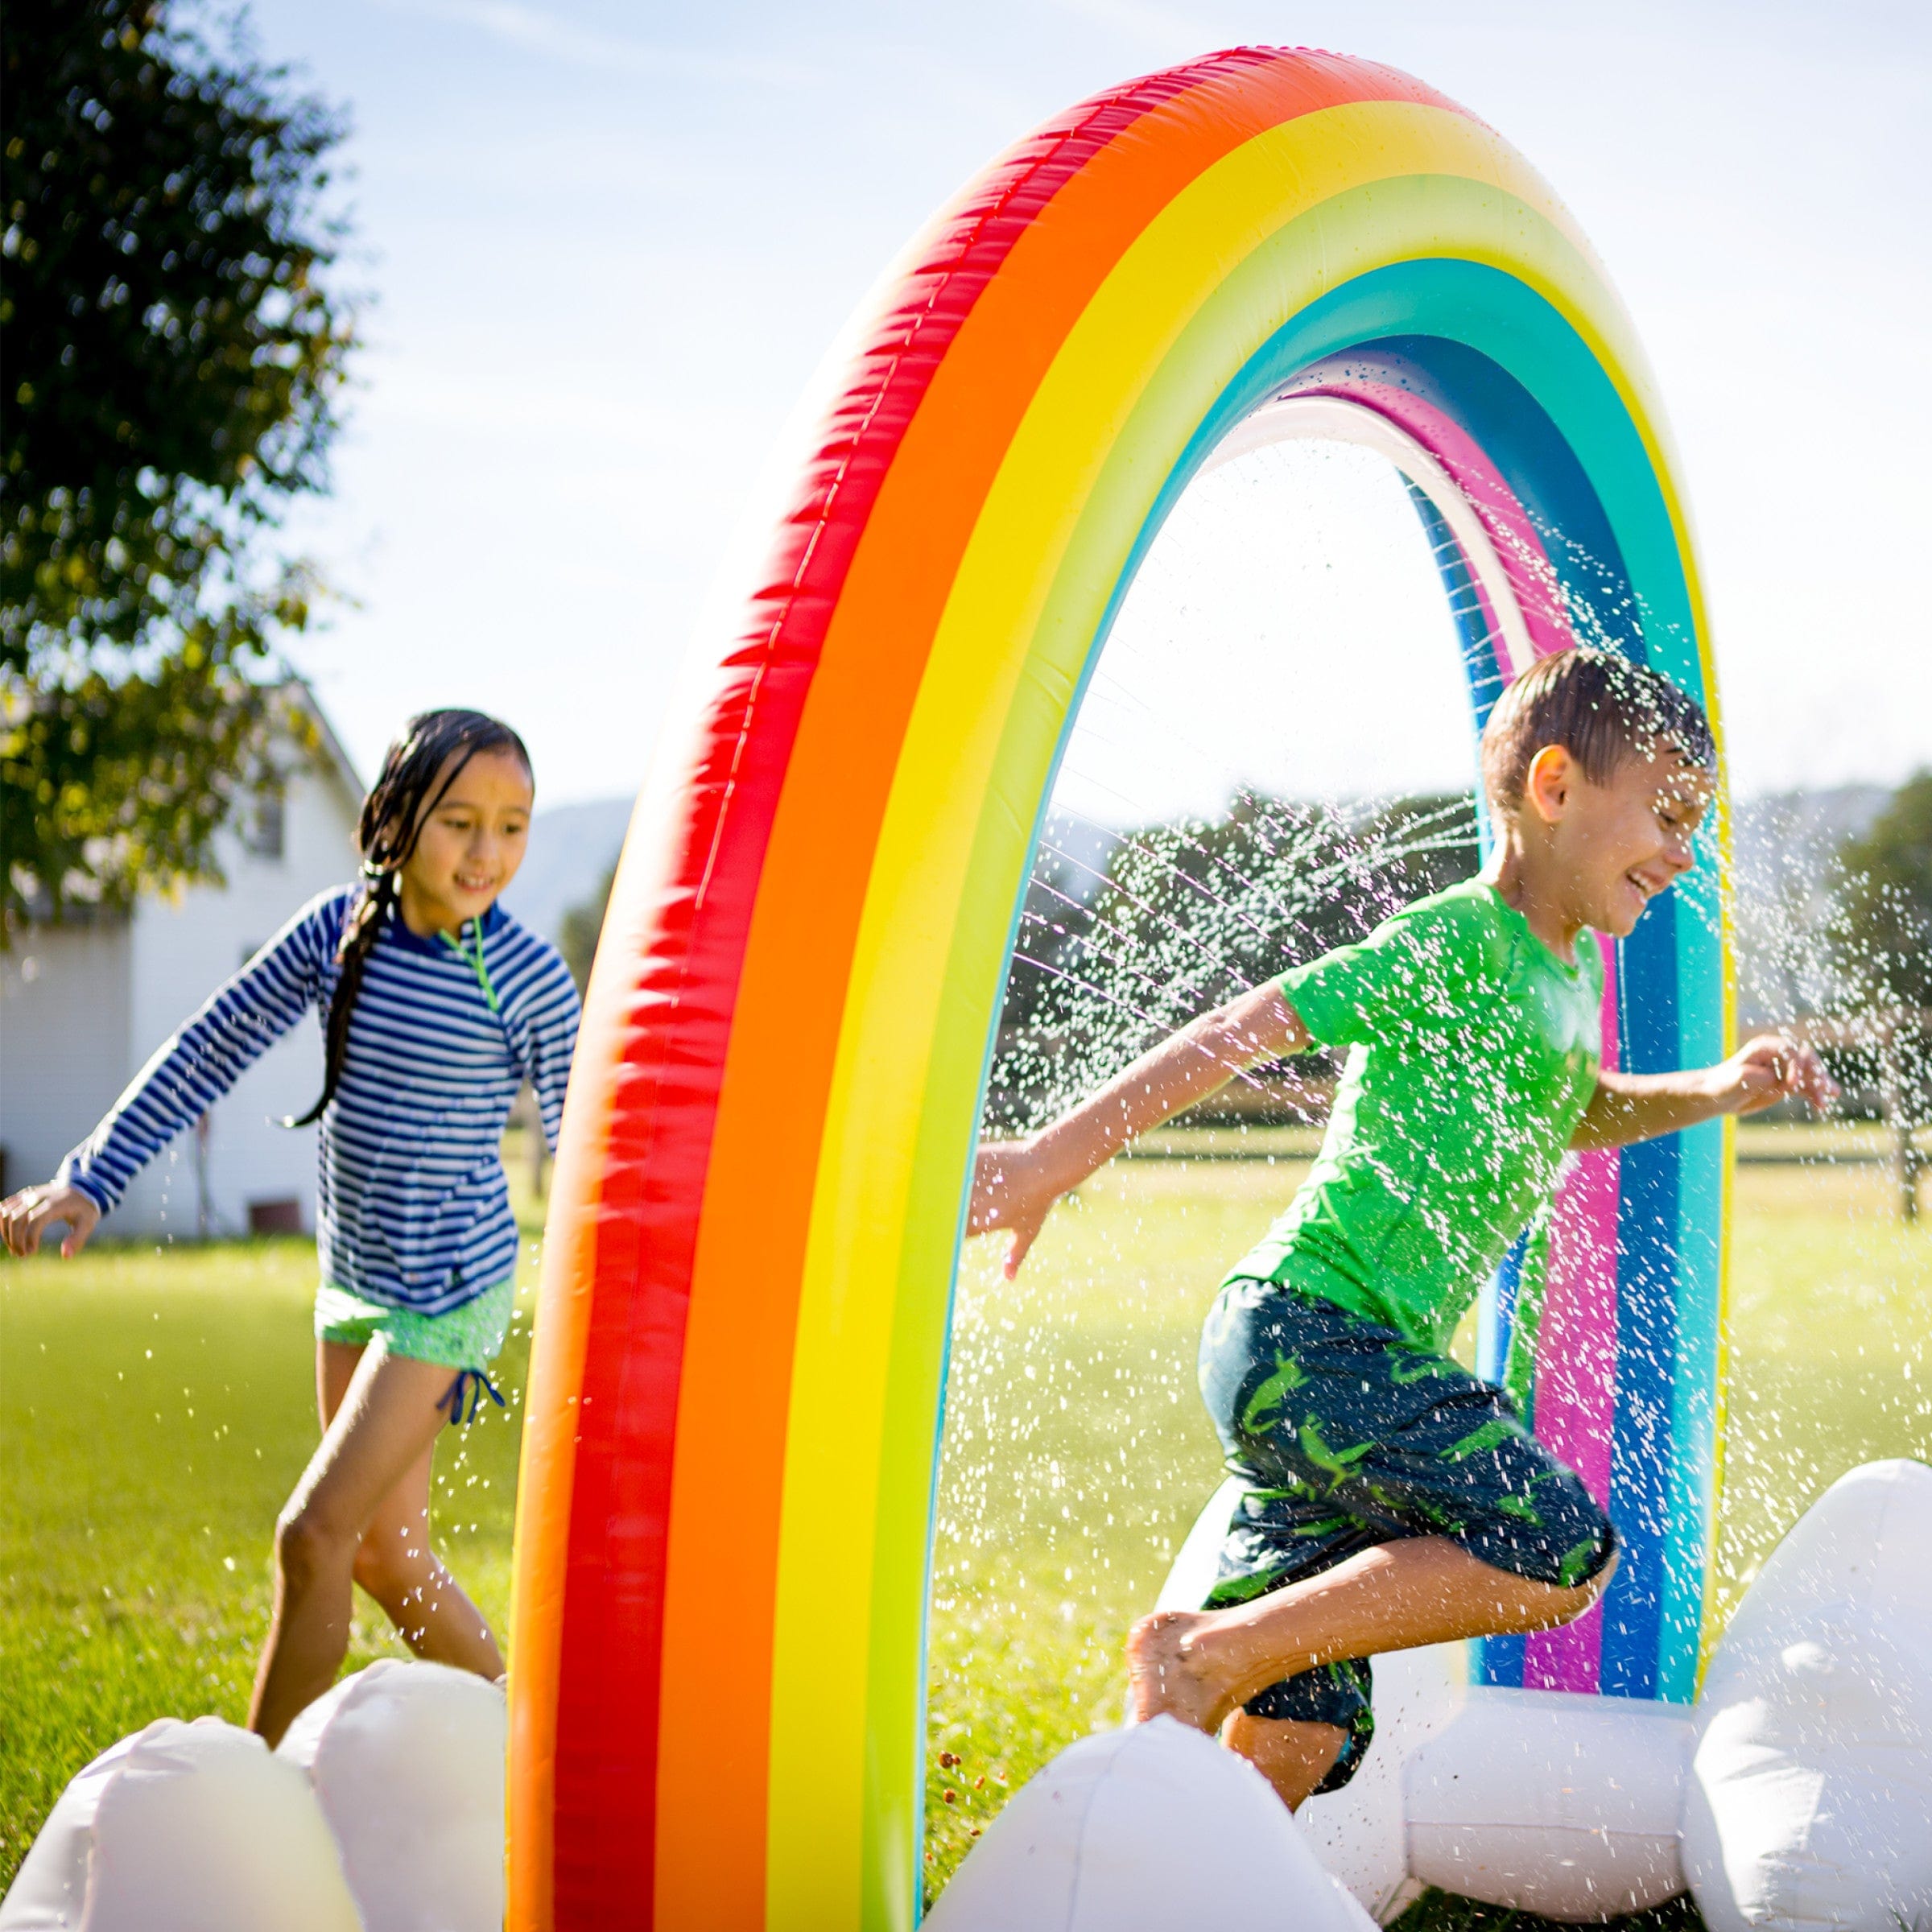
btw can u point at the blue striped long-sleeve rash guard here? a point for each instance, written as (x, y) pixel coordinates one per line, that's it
(412, 1207)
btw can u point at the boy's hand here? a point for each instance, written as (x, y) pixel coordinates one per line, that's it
(1770, 1068)
(1010, 1190)
(25, 1216)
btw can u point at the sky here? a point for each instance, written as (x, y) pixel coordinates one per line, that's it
(605, 245)
(1300, 573)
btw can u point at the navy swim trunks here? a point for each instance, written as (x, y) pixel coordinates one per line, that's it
(1347, 1435)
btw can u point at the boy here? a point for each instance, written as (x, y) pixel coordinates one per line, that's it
(1394, 1499)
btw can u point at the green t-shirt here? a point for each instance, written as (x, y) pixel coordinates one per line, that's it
(1472, 1051)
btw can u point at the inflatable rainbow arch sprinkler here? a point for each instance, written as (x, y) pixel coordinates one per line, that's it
(727, 1491)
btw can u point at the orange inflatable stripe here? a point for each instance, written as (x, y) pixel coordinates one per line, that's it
(657, 1444)
(790, 999)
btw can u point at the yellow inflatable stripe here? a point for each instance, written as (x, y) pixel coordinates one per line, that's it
(1002, 624)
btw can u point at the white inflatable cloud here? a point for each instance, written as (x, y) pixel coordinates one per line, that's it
(1361, 1833)
(381, 1811)
(1155, 1829)
(1550, 1803)
(1809, 1801)
(1796, 1797)
(184, 1828)
(407, 1761)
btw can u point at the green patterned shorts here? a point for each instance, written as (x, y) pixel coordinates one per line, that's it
(469, 1336)
(1349, 1436)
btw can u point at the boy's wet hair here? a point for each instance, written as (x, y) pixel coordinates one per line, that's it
(1601, 708)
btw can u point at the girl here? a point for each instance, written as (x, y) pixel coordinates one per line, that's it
(438, 1006)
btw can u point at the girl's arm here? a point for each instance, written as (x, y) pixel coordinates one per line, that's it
(1016, 1183)
(1631, 1106)
(186, 1076)
(553, 1018)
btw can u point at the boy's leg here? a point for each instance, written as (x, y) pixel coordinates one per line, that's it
(385, 1423)
(395, 1562)
(1294, 1757)
(1395, 1500)
(1197, 1665)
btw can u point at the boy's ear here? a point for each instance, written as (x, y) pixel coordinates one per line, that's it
(1548, 783)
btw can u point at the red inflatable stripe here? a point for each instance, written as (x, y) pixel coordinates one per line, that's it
(585, 1798)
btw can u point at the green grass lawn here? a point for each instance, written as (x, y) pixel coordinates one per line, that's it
(1076, 1454)
(155, 1408)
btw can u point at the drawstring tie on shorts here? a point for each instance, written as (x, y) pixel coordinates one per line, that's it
(474, 1384)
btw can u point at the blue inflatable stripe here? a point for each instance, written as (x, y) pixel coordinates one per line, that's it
(1481, 661)
(1648, 1227)
(1500, 1661)
(1498, 1308)
(1558, 433)
(1532, 458)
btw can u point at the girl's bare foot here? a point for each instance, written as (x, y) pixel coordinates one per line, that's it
(1167, 1676)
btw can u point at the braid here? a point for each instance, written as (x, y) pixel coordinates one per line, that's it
(402, 797)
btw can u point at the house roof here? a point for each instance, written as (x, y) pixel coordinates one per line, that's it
(335, 754)
(335, 765)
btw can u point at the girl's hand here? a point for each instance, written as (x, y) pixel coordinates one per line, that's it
(1770, 1068)
(25, 1216)
(1010, 1190)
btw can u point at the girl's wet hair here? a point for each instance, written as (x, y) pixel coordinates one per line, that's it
(413, 783)
(1601, 708)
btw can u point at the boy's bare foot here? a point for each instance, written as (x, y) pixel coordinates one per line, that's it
(1167, 1676)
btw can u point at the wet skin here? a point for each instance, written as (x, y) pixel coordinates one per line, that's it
(359, 1515)
(1577, 855)
(468, 851)
(469, 846)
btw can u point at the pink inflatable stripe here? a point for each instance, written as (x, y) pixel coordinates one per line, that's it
(1576, 1385)
(1519, 549)
(1576, 1391)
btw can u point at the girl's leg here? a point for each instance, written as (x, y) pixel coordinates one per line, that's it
(1197, 1665)
(382, 1428)
(394, 1562)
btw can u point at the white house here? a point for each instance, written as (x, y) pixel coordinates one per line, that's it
(84, 1006)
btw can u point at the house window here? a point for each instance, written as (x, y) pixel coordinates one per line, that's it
(265, 826)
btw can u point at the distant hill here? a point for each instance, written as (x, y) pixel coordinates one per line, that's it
(572, 847)
(1781, 830)
(1785, 844)
(1783, 848)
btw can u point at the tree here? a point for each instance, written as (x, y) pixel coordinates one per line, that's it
(1184, 916)
(1886, 915)
(172, 359)
(583, 926)
(1885, 953)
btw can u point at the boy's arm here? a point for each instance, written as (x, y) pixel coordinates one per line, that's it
(1631, 1106)
(1016, 1183)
